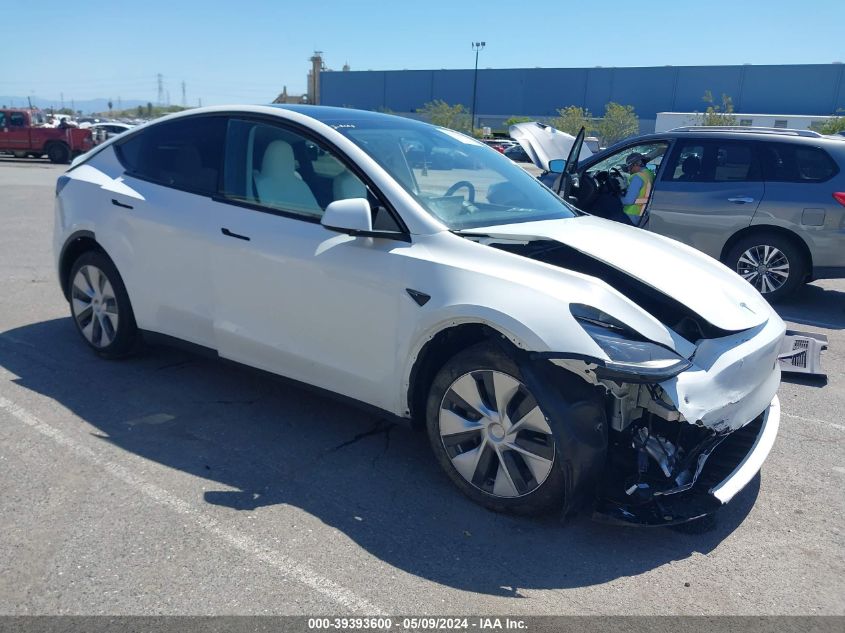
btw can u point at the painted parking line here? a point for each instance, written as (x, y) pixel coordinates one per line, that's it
(815, 420)
(287, 566)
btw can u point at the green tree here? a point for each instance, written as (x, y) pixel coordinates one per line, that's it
(718, 114)
(619, 122)
(140, 111)
(516, 119)
(149, 109)
(440, 113)
(571, 119)
(833, 125)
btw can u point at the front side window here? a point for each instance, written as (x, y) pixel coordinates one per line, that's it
(653, 152)
(184, 154)
(2, 119)
(460, 181)
(282, 170)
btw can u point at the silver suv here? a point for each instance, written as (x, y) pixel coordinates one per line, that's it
(769, 203)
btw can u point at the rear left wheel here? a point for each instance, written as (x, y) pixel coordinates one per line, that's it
(100, 306)
(490, 436)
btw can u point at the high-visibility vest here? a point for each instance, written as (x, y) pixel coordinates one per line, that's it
(638, 207)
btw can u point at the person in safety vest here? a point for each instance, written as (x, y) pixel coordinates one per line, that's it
(640, 180)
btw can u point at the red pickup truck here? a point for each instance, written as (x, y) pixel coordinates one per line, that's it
(23, 133)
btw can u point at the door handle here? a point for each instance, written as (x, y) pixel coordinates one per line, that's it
(121, 205)
(228, 233)
(741, 200)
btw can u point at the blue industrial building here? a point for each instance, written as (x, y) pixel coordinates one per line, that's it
(814, 89)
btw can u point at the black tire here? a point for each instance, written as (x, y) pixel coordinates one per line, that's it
(122, 339)
(58, 153)
(792, 254)
(545, 498)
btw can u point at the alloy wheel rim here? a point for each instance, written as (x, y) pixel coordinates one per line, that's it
(765, 267)
(94, 306)
(495, 434)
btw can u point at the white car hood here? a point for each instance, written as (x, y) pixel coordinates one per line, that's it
(697, 281)
(543, 143)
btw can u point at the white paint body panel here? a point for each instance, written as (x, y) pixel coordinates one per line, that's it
(750, 466)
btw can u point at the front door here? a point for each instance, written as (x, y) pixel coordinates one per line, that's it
(708, 190)
(291, 296)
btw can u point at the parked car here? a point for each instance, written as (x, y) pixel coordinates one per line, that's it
(768, 203)
(499, 144)
(104, 131)
(551, 368)
(24, 133)
(517, 154)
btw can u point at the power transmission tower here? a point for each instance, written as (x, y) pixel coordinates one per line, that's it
(160, 78)
(184, 99)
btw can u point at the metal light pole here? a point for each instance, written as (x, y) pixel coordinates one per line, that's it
(476, 46)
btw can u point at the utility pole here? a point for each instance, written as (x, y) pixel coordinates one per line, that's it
(476, 46)
(184, 99)
(62, 95)
(160, 78)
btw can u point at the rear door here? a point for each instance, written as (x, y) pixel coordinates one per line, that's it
(166, 226)
(800, 181)
(708, 190)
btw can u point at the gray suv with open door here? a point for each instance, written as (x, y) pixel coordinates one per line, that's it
(769, 203)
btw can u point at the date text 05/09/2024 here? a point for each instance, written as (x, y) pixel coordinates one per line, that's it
(424, 623)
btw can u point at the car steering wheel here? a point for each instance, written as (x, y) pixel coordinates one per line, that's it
(462, 183)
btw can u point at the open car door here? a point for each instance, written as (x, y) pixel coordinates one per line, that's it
(564, 183)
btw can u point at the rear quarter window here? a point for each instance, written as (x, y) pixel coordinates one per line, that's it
(184, 154)
(791, 162)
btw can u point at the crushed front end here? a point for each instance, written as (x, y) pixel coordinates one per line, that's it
(680, 448)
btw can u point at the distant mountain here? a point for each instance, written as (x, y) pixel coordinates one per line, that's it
(86, 105)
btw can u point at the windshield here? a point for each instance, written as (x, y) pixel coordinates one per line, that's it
(459, 180)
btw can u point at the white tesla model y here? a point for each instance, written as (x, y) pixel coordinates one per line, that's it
(558, 361)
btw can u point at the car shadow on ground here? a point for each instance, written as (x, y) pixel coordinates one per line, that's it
(265, 443)
(814, 305)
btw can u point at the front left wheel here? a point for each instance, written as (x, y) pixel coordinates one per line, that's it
(100, 306)
(490, 436)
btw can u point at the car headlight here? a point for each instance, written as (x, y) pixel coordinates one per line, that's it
(632, 357)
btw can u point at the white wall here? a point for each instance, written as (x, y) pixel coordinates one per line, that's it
(670, 120)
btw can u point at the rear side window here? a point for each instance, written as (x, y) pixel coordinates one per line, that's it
(184, 154)
(698, 160)
(17, 119)
(788, 162)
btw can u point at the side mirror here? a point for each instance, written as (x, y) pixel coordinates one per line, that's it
(350, 216)
(557, 165)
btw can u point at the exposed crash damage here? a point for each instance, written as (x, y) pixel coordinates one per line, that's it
(663, 435)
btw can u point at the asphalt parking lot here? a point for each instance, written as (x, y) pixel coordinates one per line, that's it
(172, 484)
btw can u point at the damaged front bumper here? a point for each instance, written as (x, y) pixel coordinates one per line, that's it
(728, 469)
(669, 452)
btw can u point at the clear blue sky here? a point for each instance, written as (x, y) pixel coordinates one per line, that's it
(245, 51)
